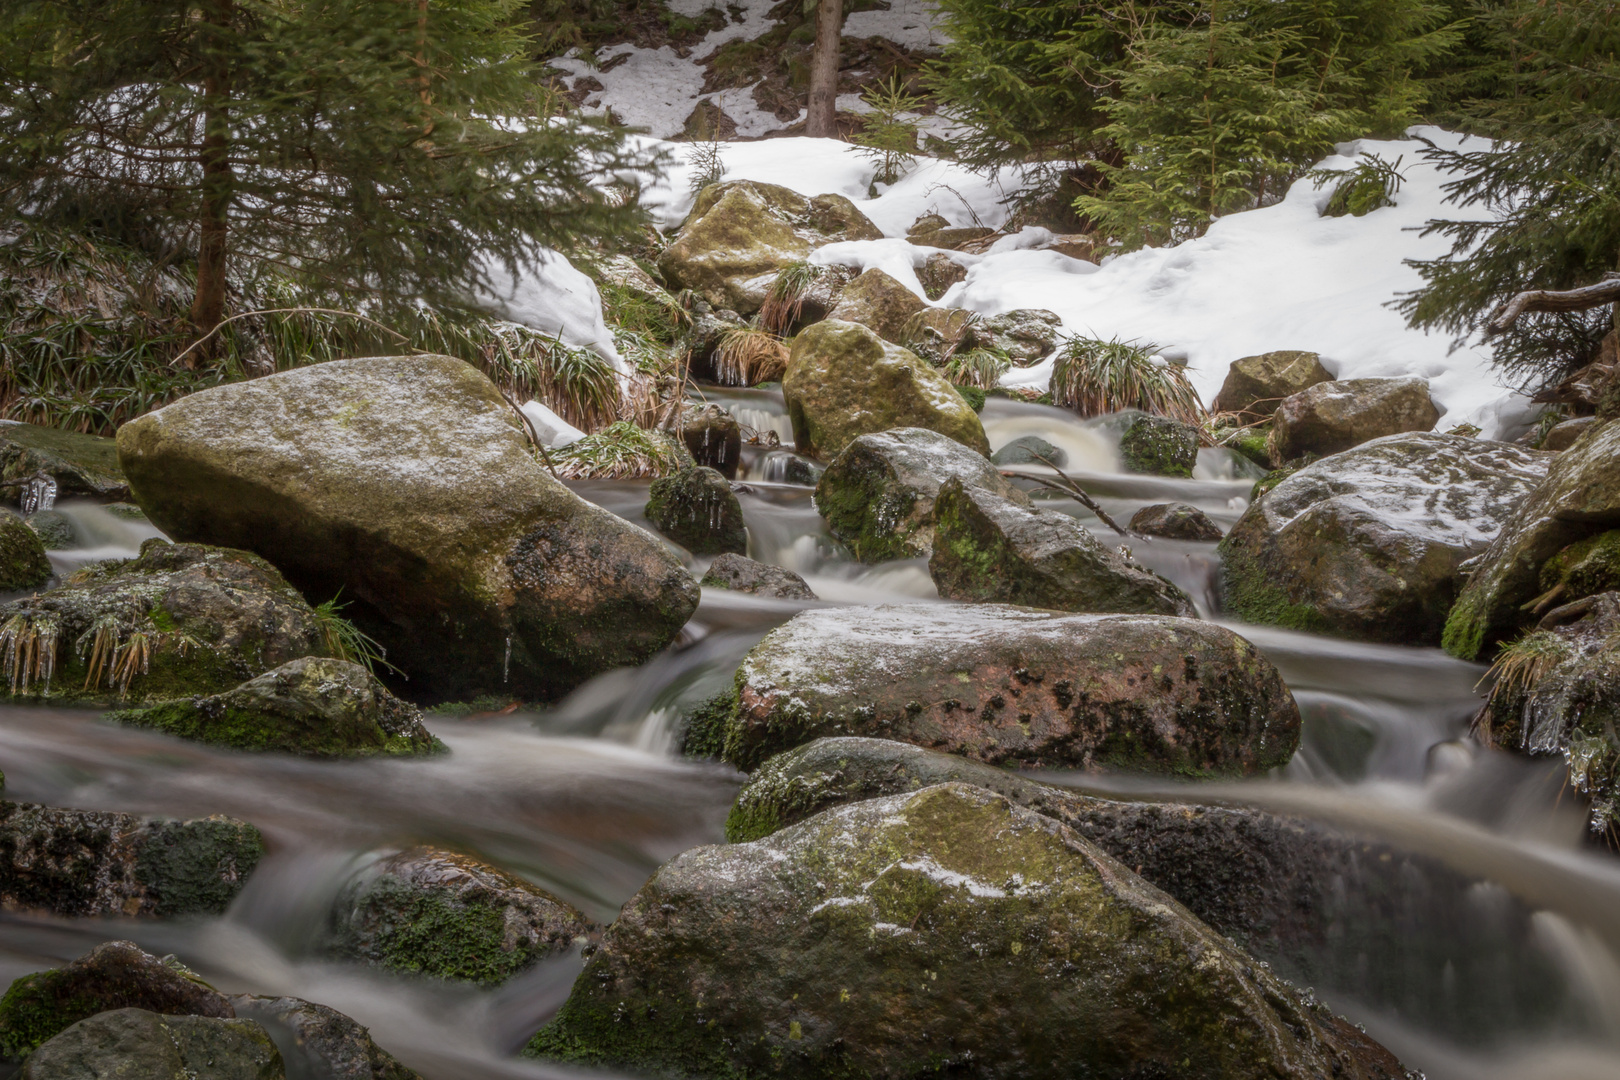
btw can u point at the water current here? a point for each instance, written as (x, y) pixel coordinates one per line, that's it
(1503, 962)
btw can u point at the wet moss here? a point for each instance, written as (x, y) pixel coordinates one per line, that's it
(1159, 446)
(197, 867)
(33, 1012)
(706, 730)
(1247, 591)
(23, 563)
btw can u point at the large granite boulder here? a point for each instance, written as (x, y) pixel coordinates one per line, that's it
(740, 233)
(79, 863)
(313, 706)
(1369, 543)
(1256, 385)
(133, 1044)
(879, 303)
(1579, 498)
(1010, 685)
(23, 563)
(878, 494)
(427, 911)
(80, 464)
(945, 929)
(987, 548)
(1334, 416)
(181, 620)
(697, 509)
(407, 484)
(844, 381)
(742, 574)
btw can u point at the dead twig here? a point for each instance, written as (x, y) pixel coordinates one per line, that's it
(1075, 492)
(1605, 291)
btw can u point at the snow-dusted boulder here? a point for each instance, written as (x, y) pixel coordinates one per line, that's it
(1258, 384)
(1368, 544)
(1334, 416)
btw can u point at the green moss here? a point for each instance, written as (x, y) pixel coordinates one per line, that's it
(34, 1011)
(1271, 480)
(1159, 446)
(1252, 443)
(23, 563)
(430, 935)
(1466, 626)
(706, 730)
(484, 703)
(197, 867)
(1585, 568)
(973, 396)
(1248, 592)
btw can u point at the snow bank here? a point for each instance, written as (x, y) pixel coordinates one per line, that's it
(551, 296)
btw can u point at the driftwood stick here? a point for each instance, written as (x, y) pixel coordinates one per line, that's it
(1073, 491)
(1606, 291)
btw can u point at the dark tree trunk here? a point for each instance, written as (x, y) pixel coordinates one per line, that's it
(823, 119)
(208, 307)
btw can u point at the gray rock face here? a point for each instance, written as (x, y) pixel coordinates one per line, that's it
(714, 438)
(938, 273)
(843, 381)
(1013, 685)
(1159, 446)
(23, 564)
(878, 494)
(427, 911)
(132, 1044)
(55, 529)
(1334, 416)
(1175, 521)
(1258, 384)
(1030, 450)
(944, 925)
(879, 303)
(313, 706)
(80, 464)
(407, 483)
(1368, 543)
(740, 233)
(742, 574)
(987, 548)
(697, 509)
(320, 1042)
(1026, 334)
(96, 862)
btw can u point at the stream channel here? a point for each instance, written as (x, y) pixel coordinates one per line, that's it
(1514, 973)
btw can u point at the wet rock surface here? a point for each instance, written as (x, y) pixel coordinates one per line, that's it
(80, 464)
(133, 1044)
(23, 564)
(878, 494)
(938, 273)
(742, 574)
(1024, 334)
(1334, 416)
(1175, 521)
(428, 911)
(843, 381)
(314, 707)
(1256, 385)
(319, 1042)
(1369, 543)
(1159, 446)
(714, 439)
(407, 484)
(1028, 450)
(987, 548)
(697, 509)
(1016, 686)
(54, 529)
(879, 303)
(947, 925)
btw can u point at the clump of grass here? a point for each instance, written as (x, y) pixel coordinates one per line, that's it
(981, 368)
(784, 300)
(620, 451)
(345, 641)
(1094, 377)
(1526, 661)
(29, 649)
(748, 355)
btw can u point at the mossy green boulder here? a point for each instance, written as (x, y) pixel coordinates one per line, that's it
(990, 549)
(880, 303)
(844, 381)
(54, 529)
(80, 464)
(1159, 446)
(697, 509)
(79, 863)
(23, 563)
(1256, 385)
(941, 931)
(427, 911)
(1017, 686)
(312, 706)
(180, 620)
(408, 485)
(1370, 543)
(878, 493)
(1579, 498)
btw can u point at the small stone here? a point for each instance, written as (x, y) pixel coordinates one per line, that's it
(742, 574)
(1175, 521)
(938, 273)
(1563, 435)
(697, 509)
(1025, 334)
(1030, 450)
(321, 1042)
(714, 438)
(1159, 446)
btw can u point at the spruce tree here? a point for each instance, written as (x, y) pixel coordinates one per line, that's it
(372, 147)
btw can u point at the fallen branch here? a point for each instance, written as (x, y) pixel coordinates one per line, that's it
(24, 481)
(1074, 491)
(1606, 291)
(285, 311)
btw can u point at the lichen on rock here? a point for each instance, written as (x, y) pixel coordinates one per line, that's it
(23, 563)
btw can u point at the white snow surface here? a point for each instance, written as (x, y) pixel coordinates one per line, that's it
(553, 430)
(550, 295)
(908, 23)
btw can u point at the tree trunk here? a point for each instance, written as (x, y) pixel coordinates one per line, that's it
(822, 122)
(208, 306)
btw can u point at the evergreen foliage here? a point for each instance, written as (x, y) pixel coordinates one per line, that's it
(1541, 208)
(887, 137)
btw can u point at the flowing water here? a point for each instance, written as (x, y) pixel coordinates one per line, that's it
(1493, 956)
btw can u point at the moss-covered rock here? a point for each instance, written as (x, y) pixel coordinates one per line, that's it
(1159, 446)
(714, 438)
(1175, 521)
(54, 529)
(427, 911)
(1579, 498)
(697, 509)
(1334, 416)
(1256, 385)
(1253, 443)
(878, 493)
(843, 381)
(114, 975)
(987, 548)
(80, 464)
(879, 303)
(942, 930)
(320, 1042)
(1369, 543)
(98, 862)
(740, 233)
(23, 564)
(742, 574)
(407, 484)
(180, 620)
(133, 1044)
(1016, 686)
(313, 706)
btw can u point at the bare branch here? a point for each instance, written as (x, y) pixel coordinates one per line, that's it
(1606, 291)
